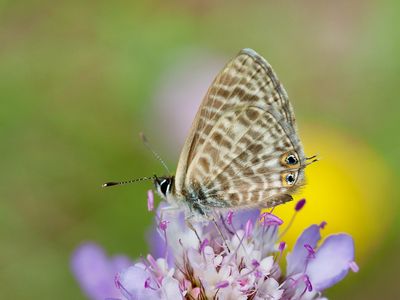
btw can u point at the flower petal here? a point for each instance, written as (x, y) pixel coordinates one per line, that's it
(297, 259)
(176, 229)
(269, 219)
(269, 289)
(120, 263)
(158, 245)
(332, 261)
(95, 271)
(137, 283)
(171, 289)
(242, 216)
(266, 265)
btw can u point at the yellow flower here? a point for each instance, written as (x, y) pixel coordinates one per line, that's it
(348, 188)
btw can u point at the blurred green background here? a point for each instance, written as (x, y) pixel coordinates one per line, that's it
(77, 85)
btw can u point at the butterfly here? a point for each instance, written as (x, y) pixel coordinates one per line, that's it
(243, 150)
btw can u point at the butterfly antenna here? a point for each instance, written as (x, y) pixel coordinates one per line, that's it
(312, 157)
(112, 183)
(158, 157)
(310, 161)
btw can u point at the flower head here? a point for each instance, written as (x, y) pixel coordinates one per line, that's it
(236, 257)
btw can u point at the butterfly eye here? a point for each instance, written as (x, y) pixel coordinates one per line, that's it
(290, 179)
(291, 159)
(164, 185)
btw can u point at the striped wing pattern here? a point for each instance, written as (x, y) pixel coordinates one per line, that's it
(232, 157)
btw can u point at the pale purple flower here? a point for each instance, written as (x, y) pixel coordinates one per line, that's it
(239, 259)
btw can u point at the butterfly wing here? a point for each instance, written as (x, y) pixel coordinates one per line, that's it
(247, 85)
(243, 161)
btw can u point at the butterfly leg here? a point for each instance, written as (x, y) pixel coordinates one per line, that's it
(170, 208)
(221, 234)
(191, 227)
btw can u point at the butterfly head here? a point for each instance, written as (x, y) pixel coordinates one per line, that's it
(164, 186)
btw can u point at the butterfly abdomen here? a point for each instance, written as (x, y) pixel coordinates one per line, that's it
(198, 200)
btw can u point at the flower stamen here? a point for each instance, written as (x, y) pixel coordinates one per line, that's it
(299, 205)
(222, 284)
(150, 200)
(354, 267)
(311, 251)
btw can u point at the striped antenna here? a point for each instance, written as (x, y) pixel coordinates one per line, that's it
(158, 157)
(310, 160)
(112, 183)
(312, 157)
